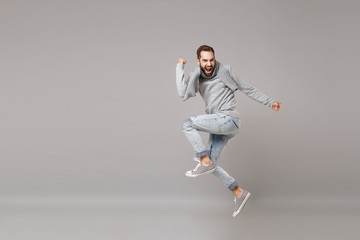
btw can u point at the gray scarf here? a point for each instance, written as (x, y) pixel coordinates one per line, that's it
(223, 72)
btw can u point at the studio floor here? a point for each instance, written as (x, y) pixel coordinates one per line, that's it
(77, 218)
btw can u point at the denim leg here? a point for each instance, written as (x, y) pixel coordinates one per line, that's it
(225, 178)
(221, 129)
(217, 144)
(211, 123)
(194, 138)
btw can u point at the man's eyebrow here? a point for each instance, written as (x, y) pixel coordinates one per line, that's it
(204, 59)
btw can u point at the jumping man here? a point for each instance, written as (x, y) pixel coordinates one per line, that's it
(216, 84)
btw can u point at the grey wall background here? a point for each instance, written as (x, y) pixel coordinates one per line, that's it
(89, 107)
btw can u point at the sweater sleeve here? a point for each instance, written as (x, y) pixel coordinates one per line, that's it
(181, 83)
(252, 92)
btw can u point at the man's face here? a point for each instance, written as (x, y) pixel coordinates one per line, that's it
(207, 62)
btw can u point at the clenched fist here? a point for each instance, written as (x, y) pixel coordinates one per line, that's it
(180, 60)
(276, 106)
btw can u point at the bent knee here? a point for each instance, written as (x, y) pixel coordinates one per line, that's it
(187, 124)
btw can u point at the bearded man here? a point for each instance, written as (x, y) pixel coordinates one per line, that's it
(217, 84)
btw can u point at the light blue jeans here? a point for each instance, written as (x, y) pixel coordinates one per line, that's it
(221, 129)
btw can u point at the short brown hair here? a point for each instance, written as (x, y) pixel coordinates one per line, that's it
(205, 48)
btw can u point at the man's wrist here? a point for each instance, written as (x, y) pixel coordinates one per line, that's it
(180, 65)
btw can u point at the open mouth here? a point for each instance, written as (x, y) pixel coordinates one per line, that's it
(208, 70)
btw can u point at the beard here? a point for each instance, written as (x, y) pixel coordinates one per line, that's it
(208, 70)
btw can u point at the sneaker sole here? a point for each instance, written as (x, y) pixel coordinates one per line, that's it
(242, 205)
(197, 175)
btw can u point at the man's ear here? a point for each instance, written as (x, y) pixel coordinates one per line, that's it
(198, 61)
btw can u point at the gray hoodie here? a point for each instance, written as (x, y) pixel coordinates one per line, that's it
(217, 90)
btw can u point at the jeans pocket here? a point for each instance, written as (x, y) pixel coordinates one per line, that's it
(229, 126)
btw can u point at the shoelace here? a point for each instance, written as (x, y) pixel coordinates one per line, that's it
(197, 167)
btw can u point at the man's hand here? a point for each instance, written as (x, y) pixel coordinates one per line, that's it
(276, 106)
(180, 60)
